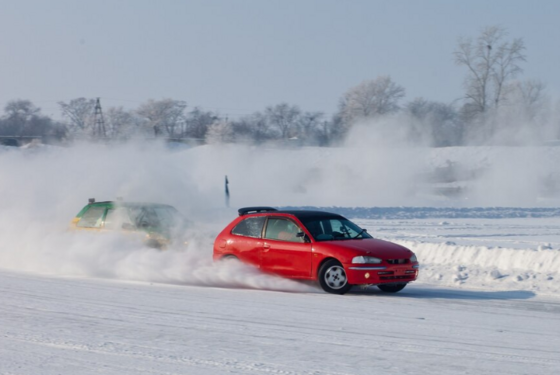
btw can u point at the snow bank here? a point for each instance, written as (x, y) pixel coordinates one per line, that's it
(489, 268)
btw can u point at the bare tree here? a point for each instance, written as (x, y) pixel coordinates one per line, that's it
(371, 98)
(310, 126)
(525, 99)
(491, 62)
(439, 122)
(284, 118)
(532, 93)
(79, 112)
(23, 118)
(165, 114)
(198, 121)
(253, 127)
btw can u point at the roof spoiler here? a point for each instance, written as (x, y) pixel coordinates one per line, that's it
(252, 210)
(91, 200)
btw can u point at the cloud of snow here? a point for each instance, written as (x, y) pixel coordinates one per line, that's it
(43, 189)
(512, 173)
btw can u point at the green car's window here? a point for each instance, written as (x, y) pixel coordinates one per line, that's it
(250, 227)
(92, 218)
(145, 217)
(282, 230)
(116, 218)
(169, 217)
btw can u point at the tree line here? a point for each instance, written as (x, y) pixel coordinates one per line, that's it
(496, 105)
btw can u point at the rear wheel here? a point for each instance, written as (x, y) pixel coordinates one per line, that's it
(391, 288)
(332, 277)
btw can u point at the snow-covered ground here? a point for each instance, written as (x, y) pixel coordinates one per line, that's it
(486, 301)
(54, 325)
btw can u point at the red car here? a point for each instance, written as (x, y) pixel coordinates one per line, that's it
(315, 245)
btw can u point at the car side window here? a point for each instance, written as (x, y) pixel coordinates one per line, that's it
(250, 227)
(92, 218)
(116, 218)
(282, 230)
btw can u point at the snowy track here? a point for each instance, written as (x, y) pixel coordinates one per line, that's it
(80, 326)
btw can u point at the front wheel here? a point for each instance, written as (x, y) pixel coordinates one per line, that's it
(391, 288)
(332, 277)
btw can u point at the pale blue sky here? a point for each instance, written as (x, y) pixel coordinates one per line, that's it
(240, 56)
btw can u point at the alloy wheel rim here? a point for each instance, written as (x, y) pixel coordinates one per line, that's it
(335, 277)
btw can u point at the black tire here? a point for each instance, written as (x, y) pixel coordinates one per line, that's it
(391, 288)
(332, 277)
(229, 258)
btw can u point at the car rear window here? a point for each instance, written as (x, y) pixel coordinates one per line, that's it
(250, 227)
(92, 218)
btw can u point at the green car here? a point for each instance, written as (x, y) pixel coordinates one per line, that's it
(158, 224)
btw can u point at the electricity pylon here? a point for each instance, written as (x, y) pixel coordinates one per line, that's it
(99, 122)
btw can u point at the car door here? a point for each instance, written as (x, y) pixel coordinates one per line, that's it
(245, 241)
(284, 252)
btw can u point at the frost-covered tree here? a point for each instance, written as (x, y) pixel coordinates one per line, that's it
(220, 131)
(371, 98)
(121, 123)
(163, 115)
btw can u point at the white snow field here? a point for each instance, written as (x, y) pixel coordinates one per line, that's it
(55, 325)
(486, 302)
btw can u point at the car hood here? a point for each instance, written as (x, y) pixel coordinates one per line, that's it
(374, 247)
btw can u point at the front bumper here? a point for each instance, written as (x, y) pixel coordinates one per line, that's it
(359, 274)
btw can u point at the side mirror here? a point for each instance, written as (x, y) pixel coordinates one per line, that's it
(302, 235)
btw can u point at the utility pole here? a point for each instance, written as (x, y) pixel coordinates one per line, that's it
(99, 123)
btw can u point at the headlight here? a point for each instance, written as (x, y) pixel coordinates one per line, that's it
(366, 260)
(413, 258)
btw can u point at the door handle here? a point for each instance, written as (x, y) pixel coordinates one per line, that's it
(266, 247)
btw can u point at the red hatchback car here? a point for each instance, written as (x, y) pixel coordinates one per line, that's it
(315, 245)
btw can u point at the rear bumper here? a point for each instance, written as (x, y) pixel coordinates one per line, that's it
(380, 274)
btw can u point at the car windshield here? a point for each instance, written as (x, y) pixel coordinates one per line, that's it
(333, 228)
